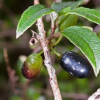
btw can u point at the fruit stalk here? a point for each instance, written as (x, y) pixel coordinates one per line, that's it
(47, 61)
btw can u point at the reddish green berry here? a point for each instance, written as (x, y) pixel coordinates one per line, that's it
(32, 66)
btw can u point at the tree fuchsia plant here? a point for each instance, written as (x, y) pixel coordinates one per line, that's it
(64, 16)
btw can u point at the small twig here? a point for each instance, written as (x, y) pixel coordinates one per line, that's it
(53, 27)
(47, 61)
(56, 35)
(11, 73)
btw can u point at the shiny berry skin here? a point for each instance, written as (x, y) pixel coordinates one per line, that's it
(75, 64)
(32, 66)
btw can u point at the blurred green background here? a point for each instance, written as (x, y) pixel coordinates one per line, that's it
(13, 86)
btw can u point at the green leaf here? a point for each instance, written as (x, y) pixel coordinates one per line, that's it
(88, 42)
(90, 14)
(59, 6)
(76, 4)
(68, 21)
(30, 16)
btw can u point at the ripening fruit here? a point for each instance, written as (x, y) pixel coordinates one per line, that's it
(75, 64)
(32, 66)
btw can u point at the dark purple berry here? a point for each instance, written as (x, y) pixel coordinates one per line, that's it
(75, 64)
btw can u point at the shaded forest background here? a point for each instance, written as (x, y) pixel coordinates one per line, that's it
(13, 86)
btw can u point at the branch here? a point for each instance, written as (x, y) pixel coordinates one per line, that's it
(47, 61)
(95, 96)
(11, 73)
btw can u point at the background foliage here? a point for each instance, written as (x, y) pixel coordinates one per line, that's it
(19, 88)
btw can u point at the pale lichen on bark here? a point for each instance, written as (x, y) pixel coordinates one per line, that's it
(95, 96)
(44, 43)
